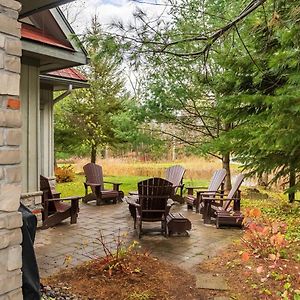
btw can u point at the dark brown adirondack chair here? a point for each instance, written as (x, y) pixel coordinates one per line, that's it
(175, 175)
(54, 209)
(152, 204)
(94, 180)
(216, 186)
(225, 210)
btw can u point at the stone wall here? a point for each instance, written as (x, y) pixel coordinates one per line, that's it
(33, 201)
(10, 140)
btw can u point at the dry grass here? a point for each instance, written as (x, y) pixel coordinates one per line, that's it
(197, 168)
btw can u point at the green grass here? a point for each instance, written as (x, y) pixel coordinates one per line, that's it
(129, 183)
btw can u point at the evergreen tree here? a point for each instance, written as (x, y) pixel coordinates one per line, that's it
(87, 115)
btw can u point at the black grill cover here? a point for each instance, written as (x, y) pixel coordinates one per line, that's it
(30, 276)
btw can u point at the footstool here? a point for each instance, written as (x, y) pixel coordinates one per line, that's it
(177, 223)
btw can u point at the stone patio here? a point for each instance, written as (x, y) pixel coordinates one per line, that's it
(79, 241)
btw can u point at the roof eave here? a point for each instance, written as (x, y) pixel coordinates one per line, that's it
(61, 58)
(59, 82)
(37, 6)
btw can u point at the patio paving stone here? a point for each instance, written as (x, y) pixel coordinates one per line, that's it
(80, 240)
(211, 282)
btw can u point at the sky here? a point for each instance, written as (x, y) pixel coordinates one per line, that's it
(109, 11)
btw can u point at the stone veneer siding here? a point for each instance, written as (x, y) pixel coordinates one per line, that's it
(33, 201)
(10, 159)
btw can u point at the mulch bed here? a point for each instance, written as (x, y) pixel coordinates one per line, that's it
(146, 278)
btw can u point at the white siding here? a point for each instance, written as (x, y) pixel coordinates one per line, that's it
(47, 136)
(30, 106)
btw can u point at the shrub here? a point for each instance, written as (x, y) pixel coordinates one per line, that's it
(64, 174)
(264, 238)
(117, 257)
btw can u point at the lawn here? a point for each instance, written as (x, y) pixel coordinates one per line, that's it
(129, 183)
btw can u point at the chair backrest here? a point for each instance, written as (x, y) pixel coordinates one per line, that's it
(216, 180)
(47, 186)
(93, 174)
(235, 187)
(174, 175)
(153, 197)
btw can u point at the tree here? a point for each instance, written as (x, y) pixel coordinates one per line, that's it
(181, 92)
(267, 108)
(249, 66)
(88, 113)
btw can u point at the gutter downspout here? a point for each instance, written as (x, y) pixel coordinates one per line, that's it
(63, 95)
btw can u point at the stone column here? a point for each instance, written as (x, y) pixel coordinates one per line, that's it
(10, 139)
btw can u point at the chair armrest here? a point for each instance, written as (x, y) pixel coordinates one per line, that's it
(71, 198)
(117, 183)
(210, 193)
(206, 192)
(66, 198)
(196, 187)
(133, 193)
(56, 194)
(179, 185)
(132, 200)
(191, 189)
(92, 184)
(221, 199)
(170, 202)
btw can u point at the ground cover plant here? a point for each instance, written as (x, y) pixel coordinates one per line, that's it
(267, 258)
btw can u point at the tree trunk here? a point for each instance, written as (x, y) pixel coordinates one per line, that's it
(292, 182)
(93, 154)
(226, 161)
(263, 180)
(226, 166)
(173, 151)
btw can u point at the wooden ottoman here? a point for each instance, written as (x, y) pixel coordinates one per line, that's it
(177, 223)
(229, 218)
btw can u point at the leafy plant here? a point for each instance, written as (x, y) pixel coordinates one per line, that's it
(145, 295)
(64, 174)
(264, 238)
(116, 258)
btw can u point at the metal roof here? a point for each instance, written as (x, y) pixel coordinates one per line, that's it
(34, 34)
(68, 73)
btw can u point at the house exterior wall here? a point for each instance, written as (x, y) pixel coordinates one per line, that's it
(31, 197)
(30, 108)
(47, 132)
(10, 155)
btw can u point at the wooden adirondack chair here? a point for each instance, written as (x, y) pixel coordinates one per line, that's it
(175, 175)
(94, 180)
(152, 204)
(54, 209)
(216, 186)
(225, 210)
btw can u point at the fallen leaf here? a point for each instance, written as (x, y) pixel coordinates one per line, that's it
(259, 269)
(245, 256)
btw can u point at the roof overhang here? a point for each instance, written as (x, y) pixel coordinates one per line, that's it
(60, 84)
(30, 7)
(50, 41)
(52, 58)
